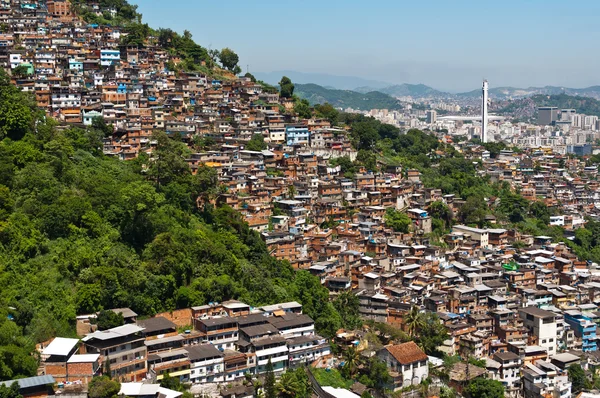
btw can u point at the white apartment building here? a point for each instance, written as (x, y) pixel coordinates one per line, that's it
(542, 324)
(510, 371)
(206, 364)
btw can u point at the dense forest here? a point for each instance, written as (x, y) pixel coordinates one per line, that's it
(81, 232)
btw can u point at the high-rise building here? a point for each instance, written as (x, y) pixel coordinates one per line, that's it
(484, 112)
(566, 114)
(547, 115)
(577, 120)
(431, 116)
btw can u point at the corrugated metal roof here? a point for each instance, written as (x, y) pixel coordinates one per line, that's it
(29, 382)
(60, 346)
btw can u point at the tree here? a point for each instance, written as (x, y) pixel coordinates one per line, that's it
(287, 386)
(11, 391)
(327, 111)
(473, 211)
(413, 321)
(172, 383)
(103, 387)
(367, 159)
(16, 360)
(228, 58)
(108, 319)
(256, 143)
(302, 109)
(286, 87)
(378, 374)
(432, 334)
(440, 210)
(540, 211)
(269, 386)
(20, 71)
(17, 110)
(484, 388)
(137, 34)
(447, 392)
(347, 303)
(365, 134)
(100, 124)
(250, 76)
(351, 358)
(397, 220)
(291, 191)
(578, 378)
(206, 183)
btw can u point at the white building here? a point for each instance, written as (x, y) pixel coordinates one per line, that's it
(542, 324)
(306, 349)
(206, 363)
(510, 371)
(408, 360)
(477, 234)
(109, 57)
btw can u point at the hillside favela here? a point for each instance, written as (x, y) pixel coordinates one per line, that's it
(263, 200)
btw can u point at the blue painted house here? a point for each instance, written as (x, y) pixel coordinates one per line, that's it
(297, 135)
(584, 328)
(122, 88)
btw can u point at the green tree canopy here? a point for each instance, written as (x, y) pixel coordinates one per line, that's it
(10, 392)
(256, 143)
(286, 87)
(229, 59)
(397, 220)
(103, 387)
(484, 388)
(108, 319)
(578, 378)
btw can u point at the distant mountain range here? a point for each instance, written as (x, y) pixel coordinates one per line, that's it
(522, 103)
(513, 93)
(361, 85)
(498, 93)
(404, 90)
(322, 79)
(316, 94)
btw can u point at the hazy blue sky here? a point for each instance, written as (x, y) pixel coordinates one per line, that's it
(447, 44)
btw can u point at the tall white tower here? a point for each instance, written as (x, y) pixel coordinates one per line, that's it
(484, 112)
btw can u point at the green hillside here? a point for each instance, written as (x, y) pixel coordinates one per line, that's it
(81, 232)
(526, 108)
(585, 105)
(316, 94)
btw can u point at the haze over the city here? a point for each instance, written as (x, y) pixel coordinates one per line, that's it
(447, 45)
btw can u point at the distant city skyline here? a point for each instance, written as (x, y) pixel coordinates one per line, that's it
(450, 46)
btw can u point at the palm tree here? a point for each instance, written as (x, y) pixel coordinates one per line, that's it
(351, 358)
(288, 386)
(413, 321)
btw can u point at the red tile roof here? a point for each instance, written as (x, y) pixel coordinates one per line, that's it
(407, 353)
